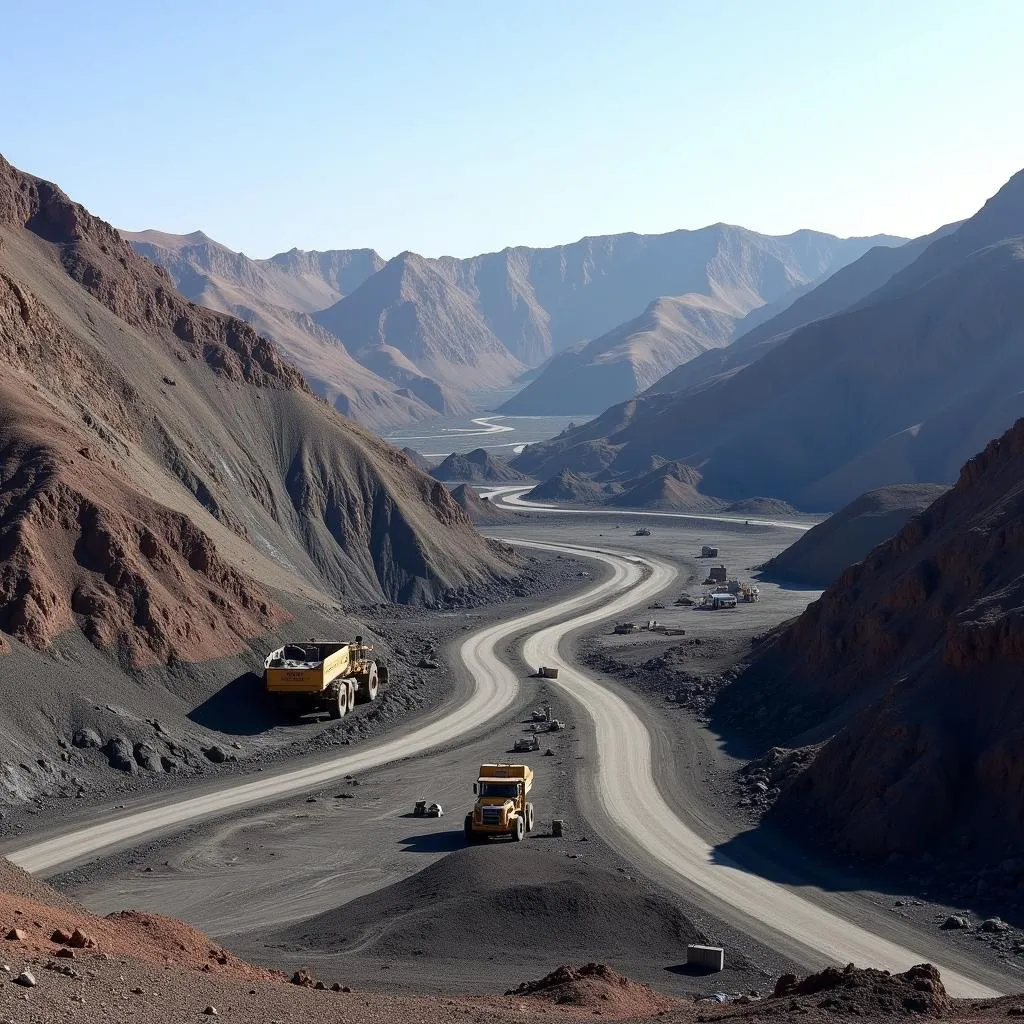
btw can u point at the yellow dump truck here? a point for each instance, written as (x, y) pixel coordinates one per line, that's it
(501, 807)
(323, 675)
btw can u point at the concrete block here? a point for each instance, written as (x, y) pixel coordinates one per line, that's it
(711, 958)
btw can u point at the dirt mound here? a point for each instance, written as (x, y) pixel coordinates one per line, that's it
(48, 921)
(477, 467)
(866, 992)
(597, 987)
(849, 535)
(672, 486)
(761, 507)
(490, 899)
(911, 661)
(481, 511)
(570, 487)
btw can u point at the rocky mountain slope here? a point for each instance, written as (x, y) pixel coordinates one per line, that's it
(849, 535)
(163, 465)
(900, 388)
(411, 307)
(277, 297)
(728, 273)
(909, 666)
(477, 467)
(842, 290)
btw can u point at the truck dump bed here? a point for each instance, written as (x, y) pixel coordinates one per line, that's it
(306, 668)
(500, 772)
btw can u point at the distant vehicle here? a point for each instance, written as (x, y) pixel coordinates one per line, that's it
(425, 810)
(525, 744)
(723, 600)
(642, 532)
(708, 551)
(656, 605)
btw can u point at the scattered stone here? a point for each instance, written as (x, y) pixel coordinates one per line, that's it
(336, 987)
(954, 922)
(216, 754)
(211, 1011)
(26, 979)
(79, 940)
(303, 977)
(15, 935)
(65, 954)
(136, 991)
(427, 663)
(61, 937)
(320, 986)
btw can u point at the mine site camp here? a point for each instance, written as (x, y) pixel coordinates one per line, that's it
(511, 513)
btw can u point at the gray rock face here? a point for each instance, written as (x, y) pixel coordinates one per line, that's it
(121, 755)
(147, 757)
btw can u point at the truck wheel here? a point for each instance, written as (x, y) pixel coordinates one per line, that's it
(529, 817)
(470, 834)
(519, 831)
(368, 690)
(339, 703)
(352, 691)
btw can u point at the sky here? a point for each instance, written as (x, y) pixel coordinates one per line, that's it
(463, 126)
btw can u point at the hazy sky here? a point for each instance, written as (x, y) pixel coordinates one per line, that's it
(461, 127)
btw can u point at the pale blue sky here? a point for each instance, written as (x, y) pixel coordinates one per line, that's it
(461, 127)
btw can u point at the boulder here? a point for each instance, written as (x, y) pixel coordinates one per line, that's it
(955, 922)
(86, 739)
(216, 754)
(147, 757)
(121, 755)
(26, 979)
(994, 924)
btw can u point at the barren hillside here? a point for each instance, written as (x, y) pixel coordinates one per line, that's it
(721, 274)
(163, 465)
(911, 663)
(278, 296)
(899, 389)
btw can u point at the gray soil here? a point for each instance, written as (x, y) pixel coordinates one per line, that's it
(316, 871)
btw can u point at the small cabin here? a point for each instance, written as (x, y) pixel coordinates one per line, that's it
(708, 551)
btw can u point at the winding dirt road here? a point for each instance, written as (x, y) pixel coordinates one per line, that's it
(627, 790)
(624, 780)
(511, 496)
(495, 687)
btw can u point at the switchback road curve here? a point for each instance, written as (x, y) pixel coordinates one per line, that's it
(494, 688)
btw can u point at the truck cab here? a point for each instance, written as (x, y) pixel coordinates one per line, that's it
(501, 807)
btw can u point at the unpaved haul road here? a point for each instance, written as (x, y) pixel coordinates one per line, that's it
(494, 688)
(512, 497)
(627, 791)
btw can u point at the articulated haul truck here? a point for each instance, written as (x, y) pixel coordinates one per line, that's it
(323, 675)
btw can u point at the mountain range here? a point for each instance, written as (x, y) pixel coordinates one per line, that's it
(392, 342)
(900, 386)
